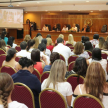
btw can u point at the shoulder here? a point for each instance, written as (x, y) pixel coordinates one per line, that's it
(104, 61)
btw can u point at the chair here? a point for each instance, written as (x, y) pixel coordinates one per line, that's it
(17, 58)
(8, 69)
(2, 58)
(70, 66)
(87, 101)
(2, 51)
(8, 46)
(44, 76)
(69, 45)
(62, 57)
(18, 48)
(104, 55)
(36, 72)
(50, 98)
(72, 58)
(23, 94)
(89, 52)
(74, 81)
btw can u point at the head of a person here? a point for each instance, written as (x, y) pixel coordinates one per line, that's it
(105, 45)
(57, 74)
(96, 36)
(11, 53)
(86, 38)
(13, 39)
(82, 39)
(70, 38)
(3, 34)
(59, 40)
(61, 35)
(95, 80)
(80, 66)
(26, 64)
(35, 55)
(49, 41)
(85, 25)
(40, 38)
(42, 47)
(36, 42)
(6, 87)
(38, 34)
(96, 54)
(54, 56)
(23, 45)
(65, 25)
(55, 25)
(30, 44)
(10, 41)
(2, 44)
(48, 36)
(107, 38)
(88, 46)
(44, 41)
(101, 42)
(27, 38)
(78, 48)
(74, 25)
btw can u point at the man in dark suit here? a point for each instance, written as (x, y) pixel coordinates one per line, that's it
(25, 76)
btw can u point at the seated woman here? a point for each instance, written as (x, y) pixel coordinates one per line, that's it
(49, 44)
(96, 56)
(88, 46)
(27, 38)
(10, 59)
(54, 56)
(79, 50)
(85, 28)
(65, 28)
(74, 28)
(35, 57)
(71, 40)
(56, 80)
(30, 45)
(45, 28)
(94, 84)
(6, 88)
(55, 28)
(36, 42)
(80, 67)
(100, 44)
(82, 39)
(105, 47)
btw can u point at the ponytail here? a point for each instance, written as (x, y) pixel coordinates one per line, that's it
(8, 58)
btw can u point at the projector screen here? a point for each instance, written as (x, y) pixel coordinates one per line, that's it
(11, 18)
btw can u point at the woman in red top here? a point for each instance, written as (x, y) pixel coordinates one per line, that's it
(49, 44)
(35, 56)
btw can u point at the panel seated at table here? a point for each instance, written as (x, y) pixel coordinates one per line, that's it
(77, 35)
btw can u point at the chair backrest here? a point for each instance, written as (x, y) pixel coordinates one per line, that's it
(23, 94)
(36, 72)
(44, 75)
(89, 52)
(8, 46)
(8, 69)
(70, 66)
(74, 80)
(72, 58)
(50, 98)
(87, 101)
(69, 45)
(2, 51)
(62, 57)
(2, 58)
(18, 48)
(17, 58)
(104, 55)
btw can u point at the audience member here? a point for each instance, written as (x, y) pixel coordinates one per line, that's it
(3, 45)
(10, 59)
(36, 42)
(62, 49)
(30, 45)
(25, 76)
(6, 88)
(35, 57)
(88, 46)
(45, 28)
(85, 28)
(105, 47)
(65, 28)
(27, 38)
(38, 34)
(55, 28)
(70, 40)
(100, 44)
(49, 44)
(56, 80)
(107, 38)
(54, 56)
(94, 84)
(40, 38)
(86, 38)
(48, 36)
(82, 39)
(23, 52)
(74, 28)
(79, 50)
(80, 67)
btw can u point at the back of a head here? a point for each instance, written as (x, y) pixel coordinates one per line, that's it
(96, 36)
(95, 80)
(82, 39)
(61, 35)
(42, 47)
(44, 41)
(10, 41)
(30, 43)
(38, 34)
(49, 41)
(48, 36)
(23, 45)
(25, 62)
(70, 38)
(88, 46)
(101, 42)
(40, 38)
(2, 44)
(96, 54)
(54, 56)
(27, 38)
(2, 35)
(36, 42)
(86, 39)
(105, 45)
(59, 40)
(6, 87)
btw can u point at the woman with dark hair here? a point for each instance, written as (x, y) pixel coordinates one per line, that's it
(88, 46)
(96, 56)
(82, 39)
(35, 57)
(54, 56)
(6, 88)
(80, 67)
(30, 45)
(10, 59)
(38, 34)
(48, 36)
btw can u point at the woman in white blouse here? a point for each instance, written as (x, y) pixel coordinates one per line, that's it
(74, 28)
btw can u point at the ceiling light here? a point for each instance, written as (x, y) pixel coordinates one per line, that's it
(78, 10)
(60, 1)
(38, 2)
(46, 10)
(87, 1)
(17, 5)
(60, 10)
(100, 10)
(91, 11)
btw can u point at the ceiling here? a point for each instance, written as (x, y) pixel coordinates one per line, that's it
(57, 5)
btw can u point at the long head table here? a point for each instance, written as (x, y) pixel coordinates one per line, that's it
(77, 36)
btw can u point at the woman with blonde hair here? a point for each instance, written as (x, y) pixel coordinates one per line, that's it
(27, 38)
(6, 87)
(56, 80)
(94, 84)
(36, 42)
(71, 40)
(2, 44)
(79, 50)
(107, 38)
(49, 44)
